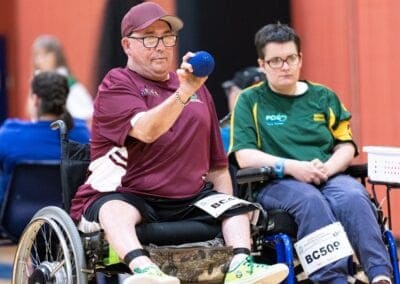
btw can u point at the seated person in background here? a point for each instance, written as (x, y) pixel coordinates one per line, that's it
(242, 79)
(156, 150)
(48, 55)
(34, 140)
(302, 130)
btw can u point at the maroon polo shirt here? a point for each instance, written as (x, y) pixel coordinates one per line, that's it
(174, 166)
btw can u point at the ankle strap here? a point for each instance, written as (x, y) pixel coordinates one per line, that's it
(241, 250)
(134, 254)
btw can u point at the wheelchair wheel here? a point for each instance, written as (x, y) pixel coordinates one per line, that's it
(50, 250)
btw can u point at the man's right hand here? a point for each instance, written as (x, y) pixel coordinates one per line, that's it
(189, 83)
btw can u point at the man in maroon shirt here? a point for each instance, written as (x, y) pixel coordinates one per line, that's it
(156, 150)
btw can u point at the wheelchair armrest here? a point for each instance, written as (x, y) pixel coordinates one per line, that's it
(248, 175)
(358, 171)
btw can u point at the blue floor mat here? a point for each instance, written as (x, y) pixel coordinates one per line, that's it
(5, 271)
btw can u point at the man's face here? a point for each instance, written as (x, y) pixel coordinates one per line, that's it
(150, 62)
(282, 64)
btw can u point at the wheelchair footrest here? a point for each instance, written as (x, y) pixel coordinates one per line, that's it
(197, 264)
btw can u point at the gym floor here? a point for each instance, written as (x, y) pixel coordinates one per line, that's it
(7, 251)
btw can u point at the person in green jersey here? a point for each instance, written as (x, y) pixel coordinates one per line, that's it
(302, 130)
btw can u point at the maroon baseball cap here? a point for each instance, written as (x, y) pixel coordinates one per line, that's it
(143, 15)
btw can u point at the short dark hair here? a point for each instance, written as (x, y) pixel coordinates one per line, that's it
(275, 33)
(53, 90)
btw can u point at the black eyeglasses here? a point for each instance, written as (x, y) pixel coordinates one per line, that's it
(277, 62)
(152, 41)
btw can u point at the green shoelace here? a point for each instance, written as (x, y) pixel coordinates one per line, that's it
(148, 269)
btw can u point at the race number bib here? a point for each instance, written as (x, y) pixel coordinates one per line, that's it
(217, 204)
(322, 247)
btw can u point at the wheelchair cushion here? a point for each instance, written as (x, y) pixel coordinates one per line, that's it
(176, 233)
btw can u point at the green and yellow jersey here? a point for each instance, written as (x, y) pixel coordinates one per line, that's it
(302, 127)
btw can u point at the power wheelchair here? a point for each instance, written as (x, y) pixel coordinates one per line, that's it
(280, 233)
(51, 250)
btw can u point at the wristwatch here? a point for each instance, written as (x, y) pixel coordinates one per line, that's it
(279, 168)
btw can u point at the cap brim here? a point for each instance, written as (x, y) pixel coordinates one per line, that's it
(175, 23)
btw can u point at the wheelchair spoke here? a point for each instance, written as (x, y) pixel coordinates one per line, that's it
(57, 268)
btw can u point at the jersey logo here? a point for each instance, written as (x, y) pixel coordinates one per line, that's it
(275, 119)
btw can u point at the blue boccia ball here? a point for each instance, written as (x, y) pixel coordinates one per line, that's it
(203, 63)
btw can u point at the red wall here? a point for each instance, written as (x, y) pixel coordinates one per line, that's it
(352, 47)
(75, 23)
(8, 30)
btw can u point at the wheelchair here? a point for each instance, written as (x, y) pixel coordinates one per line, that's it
(51, 250)
(280, 231)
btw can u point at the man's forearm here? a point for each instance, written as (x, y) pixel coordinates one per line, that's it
(221, 179)
(156, 121)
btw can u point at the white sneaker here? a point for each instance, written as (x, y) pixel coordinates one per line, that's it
(150, 275)
(249, 272)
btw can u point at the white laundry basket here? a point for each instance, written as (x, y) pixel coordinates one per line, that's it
(383, 163)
